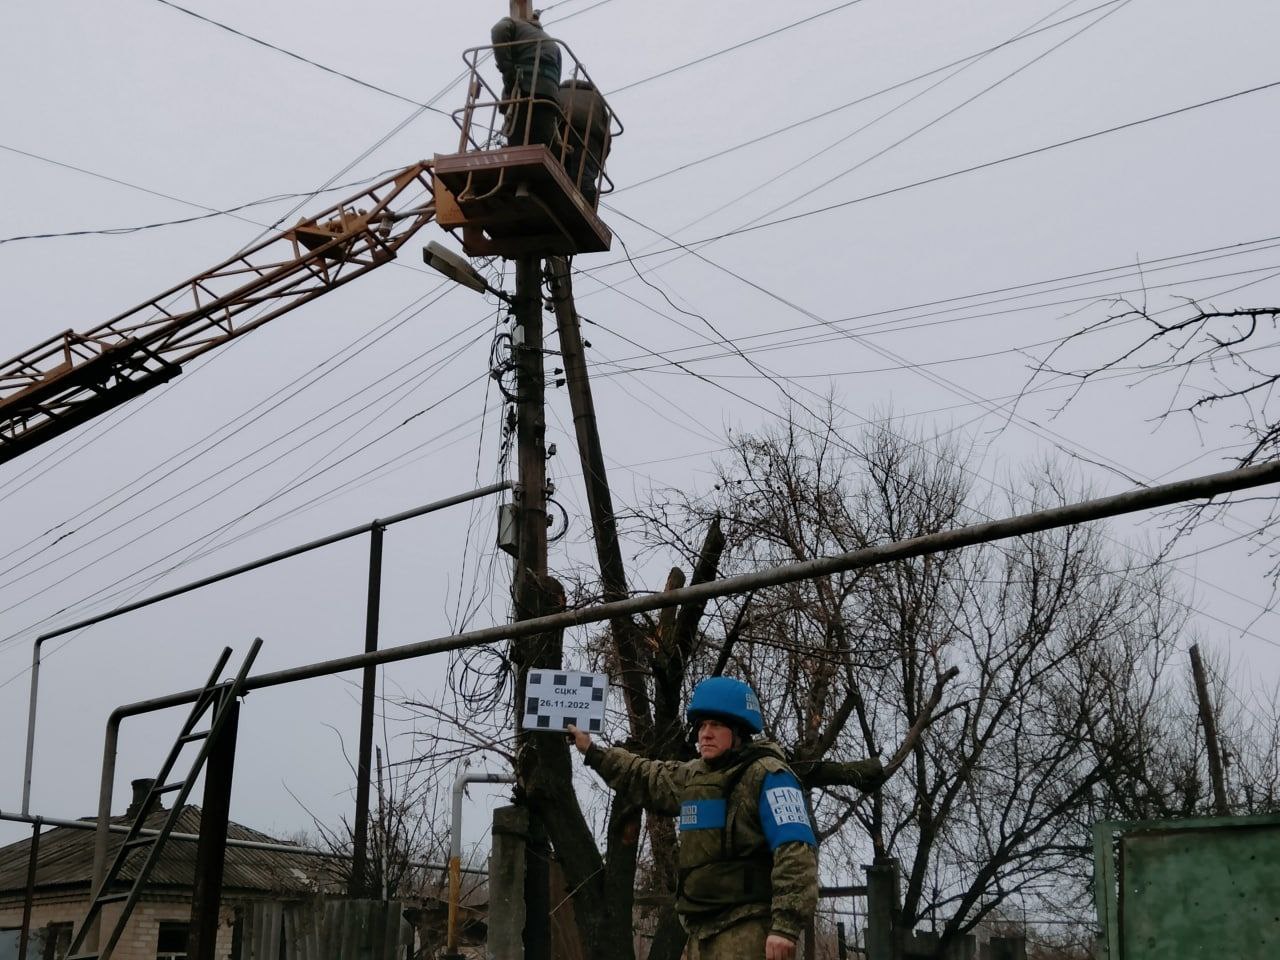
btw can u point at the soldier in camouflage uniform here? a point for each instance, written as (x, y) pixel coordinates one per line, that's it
(748, 868)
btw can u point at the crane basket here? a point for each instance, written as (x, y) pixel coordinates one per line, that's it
(530, 166)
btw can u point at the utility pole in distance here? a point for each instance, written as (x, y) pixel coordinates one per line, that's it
(1210, 733)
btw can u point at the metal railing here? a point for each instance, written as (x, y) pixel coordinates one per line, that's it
(575, 123)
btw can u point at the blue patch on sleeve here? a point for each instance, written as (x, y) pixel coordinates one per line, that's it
(783, 812)
(702, 815)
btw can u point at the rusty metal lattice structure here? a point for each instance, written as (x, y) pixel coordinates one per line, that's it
(73, 377)
(509, 192)
(515, 188)
(1188, 888)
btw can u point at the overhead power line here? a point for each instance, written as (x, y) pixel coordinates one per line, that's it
(1056, 439)
(862, 99)
(1016, 71)
(116, 180)
(415, 101)
(974, 398)
(118, 231)
(201, 542)
(730, 49)
(989, 297)
(752, 228)
(840, 442)
(905, 324)
(414, 379)
(299, 57)
(965, 170)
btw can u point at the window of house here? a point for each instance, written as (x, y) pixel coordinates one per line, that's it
(46, 943)
(172, 941)
(57, 941)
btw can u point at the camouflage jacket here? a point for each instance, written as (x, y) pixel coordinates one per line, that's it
(762, 820)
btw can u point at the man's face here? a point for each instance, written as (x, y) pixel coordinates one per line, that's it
(714, 738)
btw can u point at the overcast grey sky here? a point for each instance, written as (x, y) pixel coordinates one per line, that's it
(131, 113)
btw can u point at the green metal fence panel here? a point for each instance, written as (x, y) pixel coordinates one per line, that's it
(1206, 888)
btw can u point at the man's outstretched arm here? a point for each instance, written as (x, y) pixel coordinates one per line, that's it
(653, 784)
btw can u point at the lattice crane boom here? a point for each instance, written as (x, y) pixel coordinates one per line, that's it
(73, 377)
(504, 193)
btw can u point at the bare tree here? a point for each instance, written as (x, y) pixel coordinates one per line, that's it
(1065, 711)
(407, 846)
(1216, 362)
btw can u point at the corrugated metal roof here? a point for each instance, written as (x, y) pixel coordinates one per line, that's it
(66, 861)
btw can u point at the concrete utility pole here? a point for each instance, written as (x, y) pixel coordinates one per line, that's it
(521, 9)
(532, 588)
(531, 425)
(1210, 733)
(599, 499)
(883, 939)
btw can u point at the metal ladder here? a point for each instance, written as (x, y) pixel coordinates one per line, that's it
(213, 701)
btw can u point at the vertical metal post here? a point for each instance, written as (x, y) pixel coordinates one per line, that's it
(103, 834)
(1210, 733)
(211, 849)
(357, 885)
(31, 729)
(1105, 892)
(842, 945)
(384, 852)
(531, 561)
(28, 901)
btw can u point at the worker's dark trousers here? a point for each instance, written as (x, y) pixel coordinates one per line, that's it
(536, 121)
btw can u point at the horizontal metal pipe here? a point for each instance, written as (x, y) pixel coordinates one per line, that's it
(277, 557)
(1100, 508)
(1148, 498)
(459, 787)
(231, 841)
(217, 578)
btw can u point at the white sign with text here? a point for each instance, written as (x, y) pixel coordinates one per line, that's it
(556, 698)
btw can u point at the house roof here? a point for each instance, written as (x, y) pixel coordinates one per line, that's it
(66, 860)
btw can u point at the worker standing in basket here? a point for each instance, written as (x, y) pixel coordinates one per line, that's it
(529, 61)
(748, 868)
(586, 119)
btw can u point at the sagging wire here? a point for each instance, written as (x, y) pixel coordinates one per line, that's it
(502, 366)
(564, 520)
(228, 211)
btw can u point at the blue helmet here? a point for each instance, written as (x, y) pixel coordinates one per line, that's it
(724, 698)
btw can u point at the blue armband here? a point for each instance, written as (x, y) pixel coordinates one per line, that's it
(784, 815)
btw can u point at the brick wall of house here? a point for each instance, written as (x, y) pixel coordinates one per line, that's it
(140, 936)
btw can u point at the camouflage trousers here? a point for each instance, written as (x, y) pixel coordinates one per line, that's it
(743, 941)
